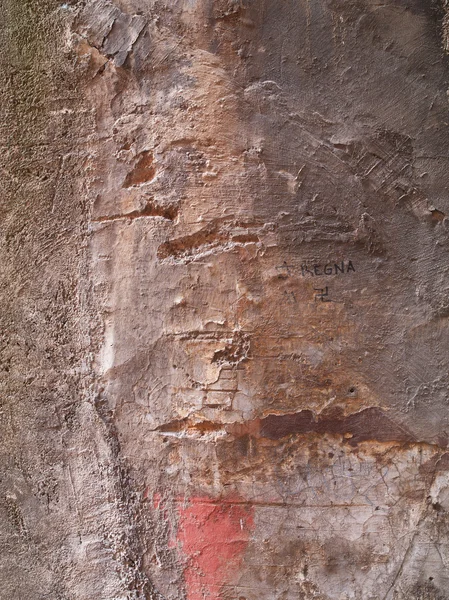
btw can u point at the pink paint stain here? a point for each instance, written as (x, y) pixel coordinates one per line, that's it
(214, 536)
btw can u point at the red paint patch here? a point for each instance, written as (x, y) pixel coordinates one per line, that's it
(157, 500)
(214, 535)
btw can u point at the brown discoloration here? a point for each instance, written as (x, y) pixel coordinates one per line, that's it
(437, 215)
(149, 210)
(186, 426)
(217, 236)
(369, 424)
(205, 239)
(143, 172)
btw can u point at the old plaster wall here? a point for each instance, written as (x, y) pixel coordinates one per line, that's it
(60, 522)
(226, 236)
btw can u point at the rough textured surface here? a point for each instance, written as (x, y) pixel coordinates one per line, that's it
(224, 300)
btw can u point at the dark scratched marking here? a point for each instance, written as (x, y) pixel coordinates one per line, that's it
(323, 295)
(317, 270)
(285, 270)
(290, 297)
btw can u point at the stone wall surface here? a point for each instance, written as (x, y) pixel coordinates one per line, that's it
(224, 300)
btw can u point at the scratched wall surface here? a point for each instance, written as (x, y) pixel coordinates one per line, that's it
(227, 369)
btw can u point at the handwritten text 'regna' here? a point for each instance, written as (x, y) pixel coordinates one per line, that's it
(318, 270)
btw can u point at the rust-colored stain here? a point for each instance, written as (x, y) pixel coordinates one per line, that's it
(214, 536)
(143, 172)
(369, 424)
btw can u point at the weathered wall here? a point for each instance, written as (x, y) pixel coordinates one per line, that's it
(225, 246)
(59, 502)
